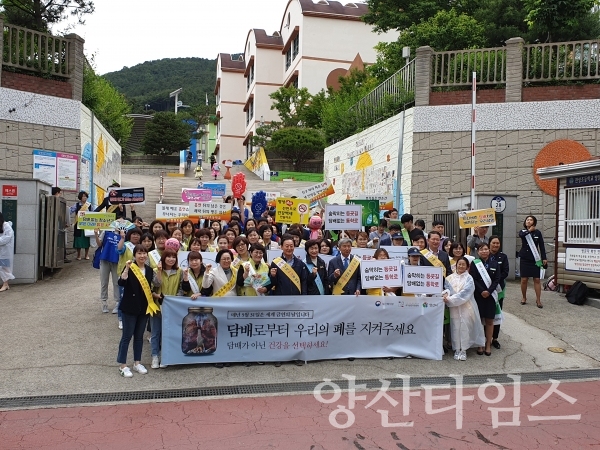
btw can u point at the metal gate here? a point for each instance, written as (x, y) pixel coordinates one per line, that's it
(53, 231)
(450, 219)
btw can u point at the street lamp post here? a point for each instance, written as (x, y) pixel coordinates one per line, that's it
(176, 95)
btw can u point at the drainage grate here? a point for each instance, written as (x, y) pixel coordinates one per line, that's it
(308, 386)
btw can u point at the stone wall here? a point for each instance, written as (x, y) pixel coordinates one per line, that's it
(148, 170)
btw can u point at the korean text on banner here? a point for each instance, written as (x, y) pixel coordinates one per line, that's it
(422, 280)
(92, 220)
(397, 251)
(172, 213)
(292, 210)
(317, 191)
(211, 211)
(343, 217)
(370, 211)
(126, 195)
(196, 195)
(307, 327)
(217, 189)
(477, 218)
(381, 272)
(386, 202)
(365, 254)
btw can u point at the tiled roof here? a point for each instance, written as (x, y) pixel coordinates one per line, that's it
(352, 11)
(232, 64)
(262, 39)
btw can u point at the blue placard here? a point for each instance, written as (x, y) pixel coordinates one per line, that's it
(217, 189)
(584, 180)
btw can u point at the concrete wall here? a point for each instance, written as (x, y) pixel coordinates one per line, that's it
(367, 163)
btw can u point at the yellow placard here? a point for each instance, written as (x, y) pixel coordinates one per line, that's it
(477, 218)
(292, 210)
(91, 220)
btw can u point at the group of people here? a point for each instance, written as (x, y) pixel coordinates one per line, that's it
(143, 263)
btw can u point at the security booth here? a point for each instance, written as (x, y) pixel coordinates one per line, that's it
(39, 222)
(505, 206)
(577, 221)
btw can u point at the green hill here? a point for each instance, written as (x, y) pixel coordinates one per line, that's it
(151, 82)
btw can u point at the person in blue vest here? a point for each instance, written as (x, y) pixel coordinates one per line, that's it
(108, 242)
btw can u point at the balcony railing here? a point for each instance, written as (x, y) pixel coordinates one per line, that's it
(561, 61)
(35, 51)
(388, 98)
(455, 68)
(583, 231)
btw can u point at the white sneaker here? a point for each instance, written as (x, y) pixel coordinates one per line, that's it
(456, 355)
(155, 364)
(120, 325)
(104, 308)
(139, 368)
(125, 372)
(462, 356)
(115, 309)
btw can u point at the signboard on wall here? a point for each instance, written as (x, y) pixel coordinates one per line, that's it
(583, 259)
(56, 169)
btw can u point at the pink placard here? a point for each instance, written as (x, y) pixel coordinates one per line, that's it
(196, 195)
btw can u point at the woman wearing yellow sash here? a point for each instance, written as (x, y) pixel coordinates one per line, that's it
(193, 276)
(381, 254)
(125, 248)
(253, 276)
(137, 303)
(240, 245)
(169, 276)
(221, 278)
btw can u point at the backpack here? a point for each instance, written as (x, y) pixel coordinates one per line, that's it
(578, 293)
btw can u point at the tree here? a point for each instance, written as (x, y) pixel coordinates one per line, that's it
(40, 14)
(546, 16)
(166, 134)
(387, 15)
(291, 103)
(297, 145)
(446, 30)
(109, 106)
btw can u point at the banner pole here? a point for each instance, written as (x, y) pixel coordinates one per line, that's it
(473, 139)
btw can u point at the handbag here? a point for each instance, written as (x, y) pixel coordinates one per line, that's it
(97, 254)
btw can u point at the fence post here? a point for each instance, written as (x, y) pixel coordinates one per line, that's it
(514, 69)
(76, 61)
(423, 75)
(1, 44)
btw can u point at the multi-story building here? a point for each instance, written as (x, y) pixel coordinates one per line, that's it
(317, 42)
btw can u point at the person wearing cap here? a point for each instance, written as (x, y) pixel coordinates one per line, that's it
(344, 271)
(380, 236)
(407, 222)
(398, 239)
(414, 257)
(476, 239)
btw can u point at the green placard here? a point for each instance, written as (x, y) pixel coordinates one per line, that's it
(370, 211)
(9, 211)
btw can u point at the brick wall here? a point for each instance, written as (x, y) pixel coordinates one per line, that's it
(37, 85)
(548, 93)
(464, 97)
(529, 94)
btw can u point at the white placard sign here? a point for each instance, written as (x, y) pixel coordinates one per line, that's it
(397, 251)
(343, 217)
(381, 272)
(422, 280)
(365, 254)
(172, 212)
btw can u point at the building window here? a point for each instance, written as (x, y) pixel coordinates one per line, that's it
(249, 148)
(292, 52)
(250, 112)
(583, 215)
(250, 78)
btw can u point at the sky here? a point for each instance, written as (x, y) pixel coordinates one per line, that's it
(128, 32)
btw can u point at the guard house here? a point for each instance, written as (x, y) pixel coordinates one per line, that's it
(577, 221)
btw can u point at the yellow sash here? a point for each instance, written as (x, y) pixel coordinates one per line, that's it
(338, 288)
(112, 208)
(288, 271)
(153, 308)
(85, 207)
(428, 254)
(227, 286)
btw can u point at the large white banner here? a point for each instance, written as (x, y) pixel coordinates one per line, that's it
(283, 328)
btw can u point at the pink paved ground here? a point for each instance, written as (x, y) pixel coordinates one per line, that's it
(301, 422)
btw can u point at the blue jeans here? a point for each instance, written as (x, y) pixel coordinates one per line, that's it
(133, 326)
(119, 314)
(156, 326)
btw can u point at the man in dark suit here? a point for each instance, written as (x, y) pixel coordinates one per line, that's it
(337, 267)
(434, 243)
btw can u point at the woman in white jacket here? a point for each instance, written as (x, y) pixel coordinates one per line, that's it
(7, 252)
(221, 278)
(465, 324)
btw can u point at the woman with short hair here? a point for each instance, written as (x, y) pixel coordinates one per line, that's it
(80, 240)
(222, 278)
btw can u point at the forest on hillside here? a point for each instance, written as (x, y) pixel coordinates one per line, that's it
(151, 82)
